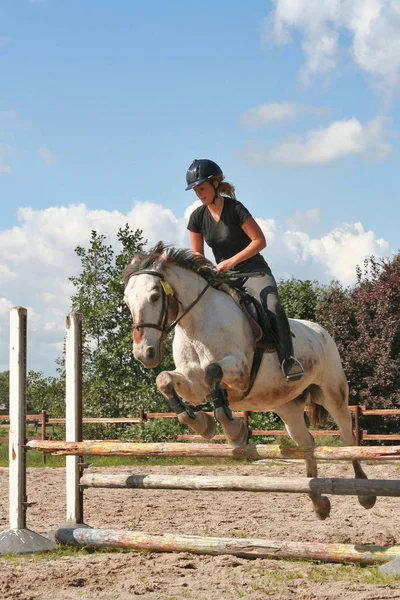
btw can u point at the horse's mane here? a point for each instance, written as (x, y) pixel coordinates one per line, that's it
(162, 255)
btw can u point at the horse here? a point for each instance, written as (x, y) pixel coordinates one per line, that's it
(169, 288)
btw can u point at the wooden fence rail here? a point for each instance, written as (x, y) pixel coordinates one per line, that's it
(362, 435)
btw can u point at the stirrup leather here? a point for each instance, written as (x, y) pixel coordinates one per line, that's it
(287, 364)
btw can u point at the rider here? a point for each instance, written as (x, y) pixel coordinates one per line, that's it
(236, 241)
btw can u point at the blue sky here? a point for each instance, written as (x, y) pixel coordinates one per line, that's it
(103, 105)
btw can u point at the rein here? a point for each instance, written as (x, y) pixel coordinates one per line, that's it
(167, 291)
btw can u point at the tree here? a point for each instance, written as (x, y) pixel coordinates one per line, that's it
(300, 299)
(365, 322)
(4, 389)
(46, 393)
(114, 383)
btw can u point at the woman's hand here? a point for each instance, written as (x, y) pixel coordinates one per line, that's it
(226, 265)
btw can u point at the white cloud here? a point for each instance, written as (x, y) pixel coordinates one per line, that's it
(370, 27)
(303, 220)
(191, 208)
(325, 145)
(5, 170)
(268, 113)
(37, 257)
(333, 256)
(46, 156)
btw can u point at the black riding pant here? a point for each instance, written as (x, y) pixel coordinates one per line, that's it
(265, 289)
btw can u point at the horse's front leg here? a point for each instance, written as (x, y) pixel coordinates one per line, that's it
(200, 422)
(233, 372)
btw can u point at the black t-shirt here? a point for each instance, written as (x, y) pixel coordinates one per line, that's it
(226, 237)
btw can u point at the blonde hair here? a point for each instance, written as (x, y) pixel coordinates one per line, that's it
(226, 189)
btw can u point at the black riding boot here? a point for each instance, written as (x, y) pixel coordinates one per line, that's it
(292, 368)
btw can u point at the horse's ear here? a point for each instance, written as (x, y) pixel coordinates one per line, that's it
(164, 258)
(136, 258)
(132, 267)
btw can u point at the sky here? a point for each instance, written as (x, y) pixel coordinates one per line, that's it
(104, 105)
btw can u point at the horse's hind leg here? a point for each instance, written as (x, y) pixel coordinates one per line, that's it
(337, 405)
(292, 414)
(235, 430)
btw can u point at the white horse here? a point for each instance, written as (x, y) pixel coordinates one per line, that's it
(213, 349)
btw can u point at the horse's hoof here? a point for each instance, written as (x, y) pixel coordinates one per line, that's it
(367, 501)
(202, 423)
(237, 434)
(206, 425)
(323, 509)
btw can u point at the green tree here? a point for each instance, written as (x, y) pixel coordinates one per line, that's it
(46, 393)
(4, 389)
(300, 299)
(114, 383)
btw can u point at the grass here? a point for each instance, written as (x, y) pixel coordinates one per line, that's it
(270, 581)
(60, 553)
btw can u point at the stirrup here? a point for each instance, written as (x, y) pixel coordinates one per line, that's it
(292, 362)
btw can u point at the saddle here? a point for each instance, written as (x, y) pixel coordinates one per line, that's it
(257, 317)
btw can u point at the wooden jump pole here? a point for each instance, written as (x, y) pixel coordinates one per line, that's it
(296, 485)
(253, 452)
(246, 548)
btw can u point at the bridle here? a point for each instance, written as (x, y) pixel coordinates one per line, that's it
(166, 293)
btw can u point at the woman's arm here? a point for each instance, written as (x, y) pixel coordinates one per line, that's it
(197, 243)
(258, 243)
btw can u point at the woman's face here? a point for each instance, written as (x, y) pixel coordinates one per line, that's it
(205, 192)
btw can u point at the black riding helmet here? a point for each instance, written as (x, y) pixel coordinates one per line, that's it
(202, 170)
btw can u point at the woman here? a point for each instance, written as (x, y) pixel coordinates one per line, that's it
(236, 241)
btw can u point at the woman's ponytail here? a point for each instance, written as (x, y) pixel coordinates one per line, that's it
(227, 189)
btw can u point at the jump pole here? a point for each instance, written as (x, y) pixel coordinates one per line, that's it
(181, 449)
(222, 483)
(18, 538)
(245, 548)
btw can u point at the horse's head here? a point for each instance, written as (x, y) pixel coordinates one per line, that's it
(150, 300)
(153, 304)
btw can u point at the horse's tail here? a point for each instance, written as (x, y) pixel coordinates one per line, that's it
(316, 412)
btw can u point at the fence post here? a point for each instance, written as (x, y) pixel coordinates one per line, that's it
(18, 538)
(357, 424)
(44, 418)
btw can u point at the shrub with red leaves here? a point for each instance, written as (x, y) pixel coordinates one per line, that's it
(365, 323)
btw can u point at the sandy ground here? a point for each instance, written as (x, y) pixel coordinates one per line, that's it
(119, 576)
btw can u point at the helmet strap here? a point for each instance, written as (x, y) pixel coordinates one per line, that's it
(215, 192)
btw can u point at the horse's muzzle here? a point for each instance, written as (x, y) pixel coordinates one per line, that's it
(149, 356)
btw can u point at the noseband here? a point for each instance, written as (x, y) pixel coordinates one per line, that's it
(166, 292)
